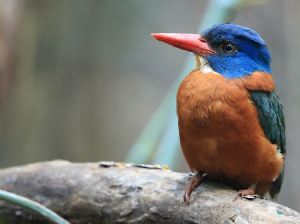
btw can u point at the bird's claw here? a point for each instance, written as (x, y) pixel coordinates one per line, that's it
(188, 192)
(195, 182)
(243, 193)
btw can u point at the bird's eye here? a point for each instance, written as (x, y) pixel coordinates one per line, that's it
(228, 48)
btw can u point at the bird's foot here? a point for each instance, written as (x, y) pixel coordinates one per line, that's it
(243, 193)
(249, 191)
(195, 182)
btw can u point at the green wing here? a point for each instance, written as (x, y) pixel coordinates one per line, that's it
(270, 111)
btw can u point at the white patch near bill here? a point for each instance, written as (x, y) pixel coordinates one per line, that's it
(202, 64)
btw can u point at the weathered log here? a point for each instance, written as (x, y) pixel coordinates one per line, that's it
(89, 193)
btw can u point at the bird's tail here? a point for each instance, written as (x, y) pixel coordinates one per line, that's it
(276, 186)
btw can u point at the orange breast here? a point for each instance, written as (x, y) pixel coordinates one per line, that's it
(219, 128)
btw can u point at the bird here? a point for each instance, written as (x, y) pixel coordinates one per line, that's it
(230, 119)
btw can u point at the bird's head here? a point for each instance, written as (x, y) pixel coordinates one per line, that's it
(231, 50)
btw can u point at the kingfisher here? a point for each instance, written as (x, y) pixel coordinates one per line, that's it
(230, 119)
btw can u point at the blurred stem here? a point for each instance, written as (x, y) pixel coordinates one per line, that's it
(161, 126)
(33, 206)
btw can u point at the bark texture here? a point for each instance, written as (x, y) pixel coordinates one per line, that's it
(93, 193)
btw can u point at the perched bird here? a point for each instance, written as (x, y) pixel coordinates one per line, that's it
(230, 119)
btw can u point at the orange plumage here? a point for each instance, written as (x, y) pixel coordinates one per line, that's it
(230, 119)
(220, 132)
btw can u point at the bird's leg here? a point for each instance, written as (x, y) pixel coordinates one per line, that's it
(249, 191)
(195, 182)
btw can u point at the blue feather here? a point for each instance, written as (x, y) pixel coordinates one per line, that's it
(252, 52)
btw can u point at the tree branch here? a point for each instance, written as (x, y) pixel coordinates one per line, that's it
(89, 193)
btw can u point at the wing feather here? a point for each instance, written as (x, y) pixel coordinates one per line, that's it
(270, 113)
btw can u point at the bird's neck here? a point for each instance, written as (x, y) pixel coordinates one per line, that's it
(202, 64)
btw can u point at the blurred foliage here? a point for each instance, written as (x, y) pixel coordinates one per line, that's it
(85, 77)
(4, 219)
(26, 203)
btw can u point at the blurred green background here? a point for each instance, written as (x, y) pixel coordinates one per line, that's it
(79, 80)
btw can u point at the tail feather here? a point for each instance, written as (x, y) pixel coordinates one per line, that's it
(276, 186)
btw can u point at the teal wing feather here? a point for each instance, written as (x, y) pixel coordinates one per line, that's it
(270, 111)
